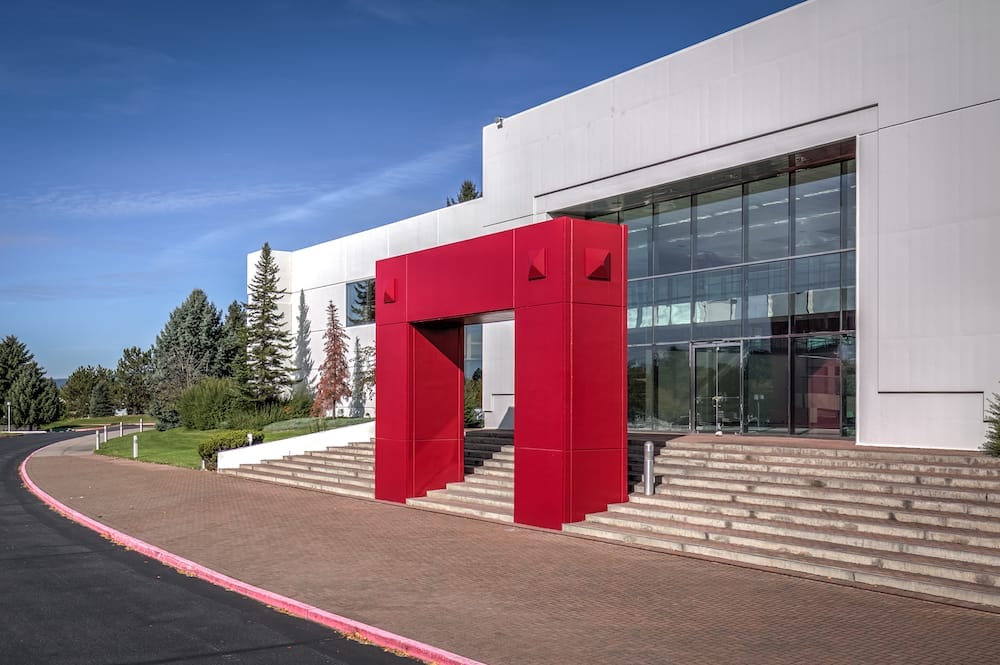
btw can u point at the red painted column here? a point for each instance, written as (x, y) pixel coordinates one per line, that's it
(569, 327)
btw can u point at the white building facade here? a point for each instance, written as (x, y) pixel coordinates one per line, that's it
(813, 225)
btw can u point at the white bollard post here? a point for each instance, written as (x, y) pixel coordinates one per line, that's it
(97, 444)
(121, 429)
(135, 446)
(105, 434)
(140, 425)
(249, 438)
(648, 450)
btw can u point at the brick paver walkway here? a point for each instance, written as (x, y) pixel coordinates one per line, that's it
(503, 594)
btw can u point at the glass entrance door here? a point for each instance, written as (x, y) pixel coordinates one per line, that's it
(718, 381)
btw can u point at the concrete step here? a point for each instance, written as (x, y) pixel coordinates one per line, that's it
(470, 486)
(341, 454)
(986, 595)
(314, 475)
(495, 463)
(326, 463)
(328, 487)
(454, 507)
(668, 498)
(882, 463)
(951, 545)
(842, 451)
(490, 481)
(495, 472)
(831, 553)
(472, 498)
(685, 485)
(691, 475)
(668, 464)
(291, 466)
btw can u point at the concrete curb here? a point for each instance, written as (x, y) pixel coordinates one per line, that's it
(344, 625)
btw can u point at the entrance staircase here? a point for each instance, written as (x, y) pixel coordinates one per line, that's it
(487, 491)
(926, 522)
(345, 470)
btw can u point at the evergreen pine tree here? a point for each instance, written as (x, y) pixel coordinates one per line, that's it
(269, 343)
(134, 379)
(233, 341)
(187, 350)
(34, 399)
(466, 192)
(13, 356)
(303, 355)
(334, 373)
(77, 390)
(100, 400)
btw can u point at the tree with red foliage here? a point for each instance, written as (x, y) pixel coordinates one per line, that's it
(334, 374)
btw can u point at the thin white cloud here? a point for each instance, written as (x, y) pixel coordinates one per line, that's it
(415, 171)
(78, 202)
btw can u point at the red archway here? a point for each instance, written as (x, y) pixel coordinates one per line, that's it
(563, 283)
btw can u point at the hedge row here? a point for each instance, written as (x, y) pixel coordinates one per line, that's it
(209, 449)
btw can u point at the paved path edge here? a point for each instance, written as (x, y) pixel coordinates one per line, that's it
(344, 625)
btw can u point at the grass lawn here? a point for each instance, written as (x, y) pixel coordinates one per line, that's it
(179, 446)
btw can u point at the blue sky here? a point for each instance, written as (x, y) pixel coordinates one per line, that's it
(147, 147)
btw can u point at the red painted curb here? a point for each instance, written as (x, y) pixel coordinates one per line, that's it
(294, 607)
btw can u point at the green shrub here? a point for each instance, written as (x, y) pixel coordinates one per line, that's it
(208, 450)
(474, 400)
(992, 443)
(256, 416)
(206, 404)
(298, 405)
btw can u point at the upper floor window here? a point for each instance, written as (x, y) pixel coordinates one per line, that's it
(361, 302)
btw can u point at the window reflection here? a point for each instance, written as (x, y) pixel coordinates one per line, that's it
(767, 218)
(767, 299)
(817, 209)
(673, 308)
(673, 388)
(672, 236)
(360, 302)
(766, 391)
(816, 287)
(817, 396)
(718, 303)
(639, 316)
(719, 227)
(640, 222)
(640, 393)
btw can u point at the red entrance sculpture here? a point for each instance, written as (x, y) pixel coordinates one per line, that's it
(563, 283)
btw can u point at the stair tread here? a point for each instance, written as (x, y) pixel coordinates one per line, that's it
(825, 530)
(818, 545)
(830, 507)
(827, 471)
(851, 571)
(821, 481)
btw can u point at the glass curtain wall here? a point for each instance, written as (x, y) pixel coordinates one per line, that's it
(766, 267)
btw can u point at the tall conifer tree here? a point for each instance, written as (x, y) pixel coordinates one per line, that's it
(334, 373)
(269, 344)
(34, 399)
